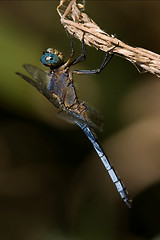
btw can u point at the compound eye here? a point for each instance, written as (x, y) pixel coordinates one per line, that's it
(51, 60)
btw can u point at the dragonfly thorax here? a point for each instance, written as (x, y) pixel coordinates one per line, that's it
(52, 58)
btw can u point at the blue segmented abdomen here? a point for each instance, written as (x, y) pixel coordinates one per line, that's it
(112, 173)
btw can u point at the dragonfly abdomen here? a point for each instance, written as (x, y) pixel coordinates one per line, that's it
(112, 173)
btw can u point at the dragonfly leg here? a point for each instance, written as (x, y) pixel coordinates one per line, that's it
(83, 54)
(72, 48)
(98, 70)
(68, 63)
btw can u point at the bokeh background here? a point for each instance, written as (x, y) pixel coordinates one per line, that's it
(52, 183)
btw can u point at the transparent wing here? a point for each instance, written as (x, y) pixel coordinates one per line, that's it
(38, 75)
(40, 81)
(93, 120)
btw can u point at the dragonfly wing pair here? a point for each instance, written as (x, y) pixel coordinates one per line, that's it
(94, 119)
(40, 80)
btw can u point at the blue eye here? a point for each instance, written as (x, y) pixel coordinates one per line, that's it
(51, 59)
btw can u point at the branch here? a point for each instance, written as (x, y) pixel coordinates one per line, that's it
(76, 22)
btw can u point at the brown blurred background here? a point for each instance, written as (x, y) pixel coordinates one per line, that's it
(52, 183)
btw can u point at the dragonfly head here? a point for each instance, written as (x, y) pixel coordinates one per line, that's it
(52, 58)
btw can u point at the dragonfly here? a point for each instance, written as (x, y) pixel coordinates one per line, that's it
(58, 87)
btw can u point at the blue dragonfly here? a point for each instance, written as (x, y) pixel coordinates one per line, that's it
(57, 86)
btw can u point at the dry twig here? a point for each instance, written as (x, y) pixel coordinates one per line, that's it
(77, 22)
